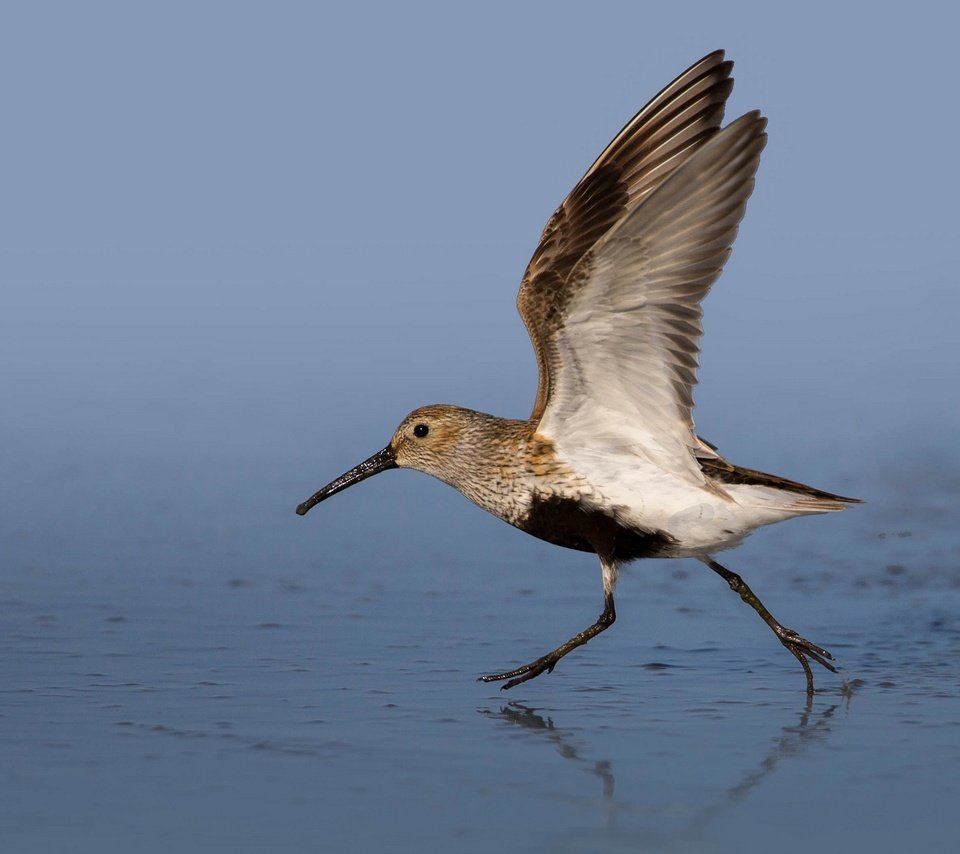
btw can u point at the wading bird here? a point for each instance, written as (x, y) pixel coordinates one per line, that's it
(609, 462)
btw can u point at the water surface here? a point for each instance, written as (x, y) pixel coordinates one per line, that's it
(256, 703)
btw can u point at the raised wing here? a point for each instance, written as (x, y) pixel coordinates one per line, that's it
(622, 356)
(655, 141)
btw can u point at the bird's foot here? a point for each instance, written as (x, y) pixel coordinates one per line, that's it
(546, 663)
(525, 673)
(801, 649)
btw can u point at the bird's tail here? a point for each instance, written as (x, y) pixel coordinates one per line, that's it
(773, 491)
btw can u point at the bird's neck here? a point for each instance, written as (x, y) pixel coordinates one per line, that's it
(501, 464)
(495, 464)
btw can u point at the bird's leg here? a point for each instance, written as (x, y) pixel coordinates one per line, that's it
(546, 663)
(800, 647)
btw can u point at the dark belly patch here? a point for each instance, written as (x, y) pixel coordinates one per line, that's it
(568, 523)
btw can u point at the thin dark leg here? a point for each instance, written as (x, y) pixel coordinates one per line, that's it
(800, 647)
(549, 661)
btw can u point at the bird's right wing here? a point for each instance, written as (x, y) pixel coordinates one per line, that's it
(624, 353)
(654, 143)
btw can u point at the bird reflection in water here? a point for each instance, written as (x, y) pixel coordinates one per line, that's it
(793, 740)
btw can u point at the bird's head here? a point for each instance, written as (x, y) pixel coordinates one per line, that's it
(426, 440)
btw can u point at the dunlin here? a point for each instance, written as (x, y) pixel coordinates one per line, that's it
(608, 461)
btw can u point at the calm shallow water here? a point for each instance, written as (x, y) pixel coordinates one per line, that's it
(175, 684)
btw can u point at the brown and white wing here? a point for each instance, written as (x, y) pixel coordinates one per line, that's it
(653, 143)
(622, 354)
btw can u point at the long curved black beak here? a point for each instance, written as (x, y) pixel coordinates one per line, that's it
(380, 461)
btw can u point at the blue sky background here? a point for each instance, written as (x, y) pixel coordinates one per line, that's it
(240, 241)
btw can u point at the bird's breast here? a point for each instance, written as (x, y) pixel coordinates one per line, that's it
(519, 477)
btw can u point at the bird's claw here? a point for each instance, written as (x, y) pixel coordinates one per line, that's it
(522, 674)
(801, 649)
(801, 646)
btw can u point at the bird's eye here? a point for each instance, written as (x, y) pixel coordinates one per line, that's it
(421, 430)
